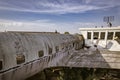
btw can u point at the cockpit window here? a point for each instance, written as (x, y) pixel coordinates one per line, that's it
(117, 34)
(88, 35)
(1, 64)
(95, 35)
(102, 36)
(110, 36)
(20, 58)
(117, 37)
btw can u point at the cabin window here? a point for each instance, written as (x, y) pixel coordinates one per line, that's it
(1, 64)
(95, 35)
(20, 58)
(40, 53)
(110, 36)
(50, 50)
(117, 34)
(88, 35)
(57, 48)
(102, 36)
(117, 37)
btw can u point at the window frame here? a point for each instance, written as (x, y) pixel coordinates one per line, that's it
(110, 38)
(116, 35)
(18, 56)
(102, 38)
(94, 35)
(89, 36)
(50, 50)
(39, 53)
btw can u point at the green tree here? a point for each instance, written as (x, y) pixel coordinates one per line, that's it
(66, 33)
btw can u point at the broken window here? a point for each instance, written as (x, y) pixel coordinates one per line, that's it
(40, 53)
(110, 36)
(95, 35)
(1, 64)
(88, 35)
(102, 36)
(20, 58)
(117, 37)
(117, 34)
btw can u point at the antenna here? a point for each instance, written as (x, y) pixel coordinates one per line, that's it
(108, 19)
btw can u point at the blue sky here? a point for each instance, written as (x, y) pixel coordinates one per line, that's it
(60, 15)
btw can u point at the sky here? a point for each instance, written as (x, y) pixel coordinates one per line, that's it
(60, 15)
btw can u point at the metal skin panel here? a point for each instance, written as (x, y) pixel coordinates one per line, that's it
(28, 45)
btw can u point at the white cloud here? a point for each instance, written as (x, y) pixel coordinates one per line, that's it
(42, 26)
(60, 7)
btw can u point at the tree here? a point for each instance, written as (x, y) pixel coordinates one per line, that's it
(66, 33)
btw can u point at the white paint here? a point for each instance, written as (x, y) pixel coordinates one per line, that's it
(111, 45)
